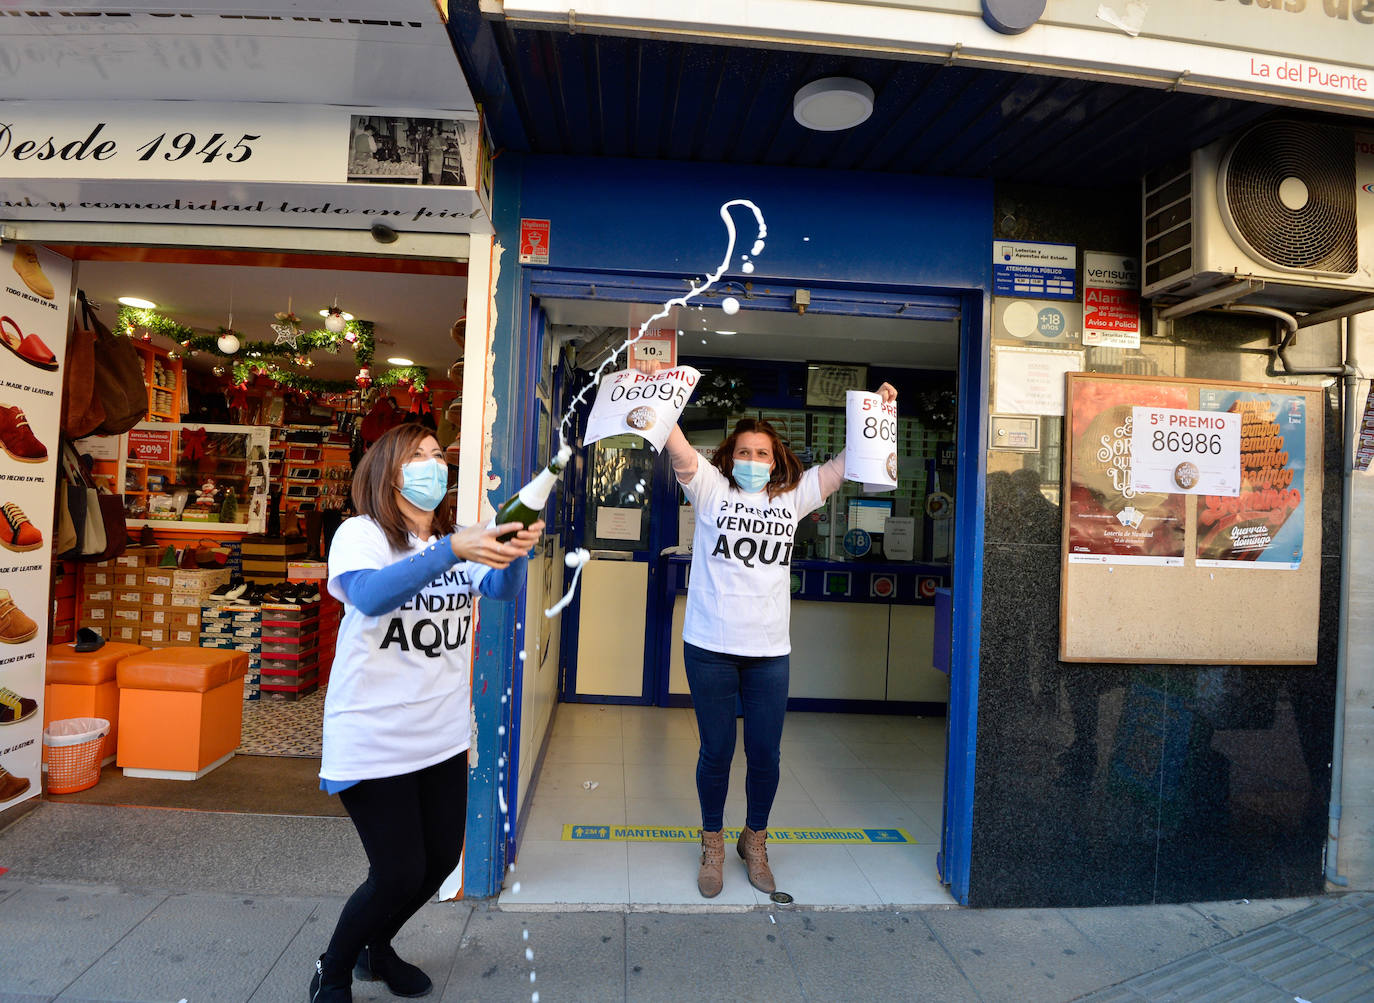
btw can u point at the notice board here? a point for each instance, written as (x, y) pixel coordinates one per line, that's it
(1164, 570)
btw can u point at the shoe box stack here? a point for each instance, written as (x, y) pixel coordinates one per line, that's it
(191, 589)
(329, 610)
(290, 650)
(265, 558)
(232, 625)
(113, 597)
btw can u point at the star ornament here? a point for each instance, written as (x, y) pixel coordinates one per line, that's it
(287, 335)
(288, 328)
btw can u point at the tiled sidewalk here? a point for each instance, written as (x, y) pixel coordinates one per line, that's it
(1322, 954)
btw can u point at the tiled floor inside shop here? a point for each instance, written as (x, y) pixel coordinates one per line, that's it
(838, 770)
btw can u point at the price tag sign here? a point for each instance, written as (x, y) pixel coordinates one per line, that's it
(656, 350)
(150, 446)
(1185, 452)
(647, 404)
(870, 440)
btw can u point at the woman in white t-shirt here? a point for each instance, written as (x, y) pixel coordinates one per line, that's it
(747, 502)
(398, 709)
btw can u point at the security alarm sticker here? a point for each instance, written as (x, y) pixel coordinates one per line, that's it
(1111, 300)
(534, 242)
(646, 404)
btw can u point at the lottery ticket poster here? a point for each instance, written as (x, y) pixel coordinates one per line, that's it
(870, 440)
(35, 308)
(1262, 527)
(647, 404)
(1109, 520)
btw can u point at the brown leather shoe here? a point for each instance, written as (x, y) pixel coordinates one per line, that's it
(710, 879)
(14, 708)
(14, 625)
(11, 786)
(753, 850)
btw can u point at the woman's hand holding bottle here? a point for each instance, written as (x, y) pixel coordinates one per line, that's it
(479, 543)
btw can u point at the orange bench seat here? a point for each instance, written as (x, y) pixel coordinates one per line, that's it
(180, 711)
(82, 684)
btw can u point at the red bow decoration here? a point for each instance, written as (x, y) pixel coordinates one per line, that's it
(237, 395)
(419, 402)
(193, 443)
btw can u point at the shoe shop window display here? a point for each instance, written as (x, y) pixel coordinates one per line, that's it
(736, 632)
(35, 305)
(397, 714)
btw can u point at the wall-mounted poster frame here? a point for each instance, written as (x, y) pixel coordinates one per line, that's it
(1191, 578)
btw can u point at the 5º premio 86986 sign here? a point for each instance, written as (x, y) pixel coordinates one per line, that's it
(1185, 452)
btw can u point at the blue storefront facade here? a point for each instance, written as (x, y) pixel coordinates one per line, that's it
(1067, 783)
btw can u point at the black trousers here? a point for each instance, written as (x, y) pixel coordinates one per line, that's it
(412, 831)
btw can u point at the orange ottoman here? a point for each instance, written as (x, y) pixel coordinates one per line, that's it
(180, 711)
(82, 684)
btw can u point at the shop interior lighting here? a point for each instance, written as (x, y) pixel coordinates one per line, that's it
(833, 104)
(396, 360)
(323, 313)
(137, 303)
(727, 332)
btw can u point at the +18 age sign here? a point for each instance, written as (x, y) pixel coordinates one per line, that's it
(1185, 452)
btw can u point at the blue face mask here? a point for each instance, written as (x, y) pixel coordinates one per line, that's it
(424, 483)
(751, 475)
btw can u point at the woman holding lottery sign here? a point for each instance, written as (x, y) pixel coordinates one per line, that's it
(736, 633)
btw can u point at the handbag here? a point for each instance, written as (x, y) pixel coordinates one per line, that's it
(101, 530)
(118, 380)
(82, 411)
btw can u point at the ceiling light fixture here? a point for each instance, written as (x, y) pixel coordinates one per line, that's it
(137, 303)
(397, 360)
(727, 332)
(833, 104)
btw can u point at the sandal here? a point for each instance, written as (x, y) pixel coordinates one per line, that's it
(30, 347)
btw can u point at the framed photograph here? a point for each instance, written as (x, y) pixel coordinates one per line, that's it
(826, 382)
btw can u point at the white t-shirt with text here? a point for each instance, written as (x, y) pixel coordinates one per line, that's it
(399, 696)
(739, 594)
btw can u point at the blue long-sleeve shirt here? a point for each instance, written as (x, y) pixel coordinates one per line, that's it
(380, 590)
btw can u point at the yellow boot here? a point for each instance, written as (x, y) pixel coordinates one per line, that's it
(26, 264)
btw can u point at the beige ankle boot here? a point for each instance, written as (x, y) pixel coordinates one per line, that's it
(709, 878)
(753, 850)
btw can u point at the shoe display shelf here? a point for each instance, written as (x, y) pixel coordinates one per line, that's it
(290, 650)
(66, 595)
(315, 472)
(163, 375)
(229, 626)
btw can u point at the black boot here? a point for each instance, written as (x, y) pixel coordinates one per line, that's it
(330, 984)
(401, 977)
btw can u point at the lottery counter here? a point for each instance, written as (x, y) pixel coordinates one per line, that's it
(862, 634)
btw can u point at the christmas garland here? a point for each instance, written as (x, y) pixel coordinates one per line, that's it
(416, 376)
(245, 371)
(131, 318)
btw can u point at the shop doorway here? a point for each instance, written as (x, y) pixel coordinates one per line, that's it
(866, 737)
(305, 405)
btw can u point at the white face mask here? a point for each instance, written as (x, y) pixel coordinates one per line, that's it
(424, 483)
(751, 475)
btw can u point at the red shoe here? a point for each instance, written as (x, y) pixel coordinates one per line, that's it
(29, 347)
(16, 532)
(18, 439)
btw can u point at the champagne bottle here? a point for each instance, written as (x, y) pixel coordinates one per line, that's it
(526, 504)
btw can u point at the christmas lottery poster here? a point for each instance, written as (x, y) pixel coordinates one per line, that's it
(1109, 521)
(1262, 527)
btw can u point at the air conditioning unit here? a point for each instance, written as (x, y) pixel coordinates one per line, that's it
(1290, 203)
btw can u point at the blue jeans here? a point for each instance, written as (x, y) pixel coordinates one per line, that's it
(717, 681)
